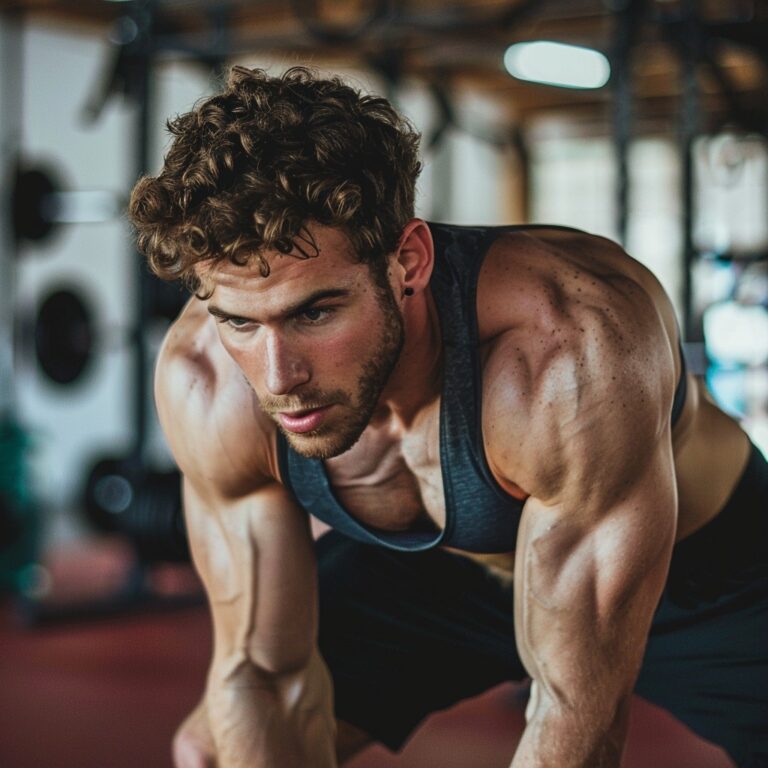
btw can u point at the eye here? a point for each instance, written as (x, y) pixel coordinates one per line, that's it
(237, 323)
(315, 314)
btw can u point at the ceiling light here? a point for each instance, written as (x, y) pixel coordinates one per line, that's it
(566, 66)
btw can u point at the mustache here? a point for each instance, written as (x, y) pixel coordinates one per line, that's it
(306, 401)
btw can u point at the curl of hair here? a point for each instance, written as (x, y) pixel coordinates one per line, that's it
(249, 168)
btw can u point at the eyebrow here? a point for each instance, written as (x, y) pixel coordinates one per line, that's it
(293, 309)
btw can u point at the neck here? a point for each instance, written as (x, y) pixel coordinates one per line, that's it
(417, 377)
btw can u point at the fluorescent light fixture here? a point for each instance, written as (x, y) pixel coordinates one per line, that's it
(567, 66)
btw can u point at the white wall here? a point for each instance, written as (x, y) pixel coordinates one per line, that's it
(574, 184)
(74, 425)
(731, 187)
(70, 424)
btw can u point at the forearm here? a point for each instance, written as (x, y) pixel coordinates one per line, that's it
(572, 738)
(270, 720)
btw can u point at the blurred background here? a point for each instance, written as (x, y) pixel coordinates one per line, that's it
(642, 120)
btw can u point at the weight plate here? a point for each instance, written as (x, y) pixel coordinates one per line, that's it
(64, 336)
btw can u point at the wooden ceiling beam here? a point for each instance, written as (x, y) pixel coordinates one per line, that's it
(435, 45)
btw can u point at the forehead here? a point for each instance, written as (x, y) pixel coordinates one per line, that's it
(335, 265)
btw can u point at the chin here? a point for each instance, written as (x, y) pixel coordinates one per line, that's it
(315, 445)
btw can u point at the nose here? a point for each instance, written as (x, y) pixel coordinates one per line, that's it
(286, 367)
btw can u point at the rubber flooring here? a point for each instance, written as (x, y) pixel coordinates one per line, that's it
(109, 692)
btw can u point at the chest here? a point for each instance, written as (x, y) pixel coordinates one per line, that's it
(392, 478)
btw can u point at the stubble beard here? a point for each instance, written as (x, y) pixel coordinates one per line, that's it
(325, 443)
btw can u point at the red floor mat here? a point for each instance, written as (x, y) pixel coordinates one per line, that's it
(110, 693)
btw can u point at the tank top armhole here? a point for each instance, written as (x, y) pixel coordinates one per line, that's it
(482, 460)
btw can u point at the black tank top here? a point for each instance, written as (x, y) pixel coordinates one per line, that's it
(479, 515)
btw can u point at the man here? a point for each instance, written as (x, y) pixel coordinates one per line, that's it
(498, 424)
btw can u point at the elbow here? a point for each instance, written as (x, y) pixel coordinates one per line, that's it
(259, 657)
(280, 656)
(246, 670)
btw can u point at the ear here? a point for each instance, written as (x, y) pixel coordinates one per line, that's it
(414, 258)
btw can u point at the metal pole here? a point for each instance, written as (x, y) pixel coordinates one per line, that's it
(11, 51)
(689, 127)
(624, 19)
(141, 90)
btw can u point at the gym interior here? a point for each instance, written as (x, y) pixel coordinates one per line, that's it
(645, 121)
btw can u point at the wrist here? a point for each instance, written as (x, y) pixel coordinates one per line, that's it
(574, 735)
(265, 718)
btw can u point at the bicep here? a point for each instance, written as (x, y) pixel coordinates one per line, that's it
(255, 557)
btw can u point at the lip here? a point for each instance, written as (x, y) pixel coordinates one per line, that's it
(303, 421)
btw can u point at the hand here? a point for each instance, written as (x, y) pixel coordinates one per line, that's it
(193, 745)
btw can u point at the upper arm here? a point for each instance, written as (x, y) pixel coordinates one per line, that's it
(583, 427)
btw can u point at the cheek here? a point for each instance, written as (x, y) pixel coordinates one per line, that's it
(344, 353)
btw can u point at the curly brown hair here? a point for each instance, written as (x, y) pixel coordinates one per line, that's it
(250, 167)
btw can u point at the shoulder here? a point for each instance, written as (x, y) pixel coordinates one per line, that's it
(219, 437)
(578, 365)
(528, 271)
